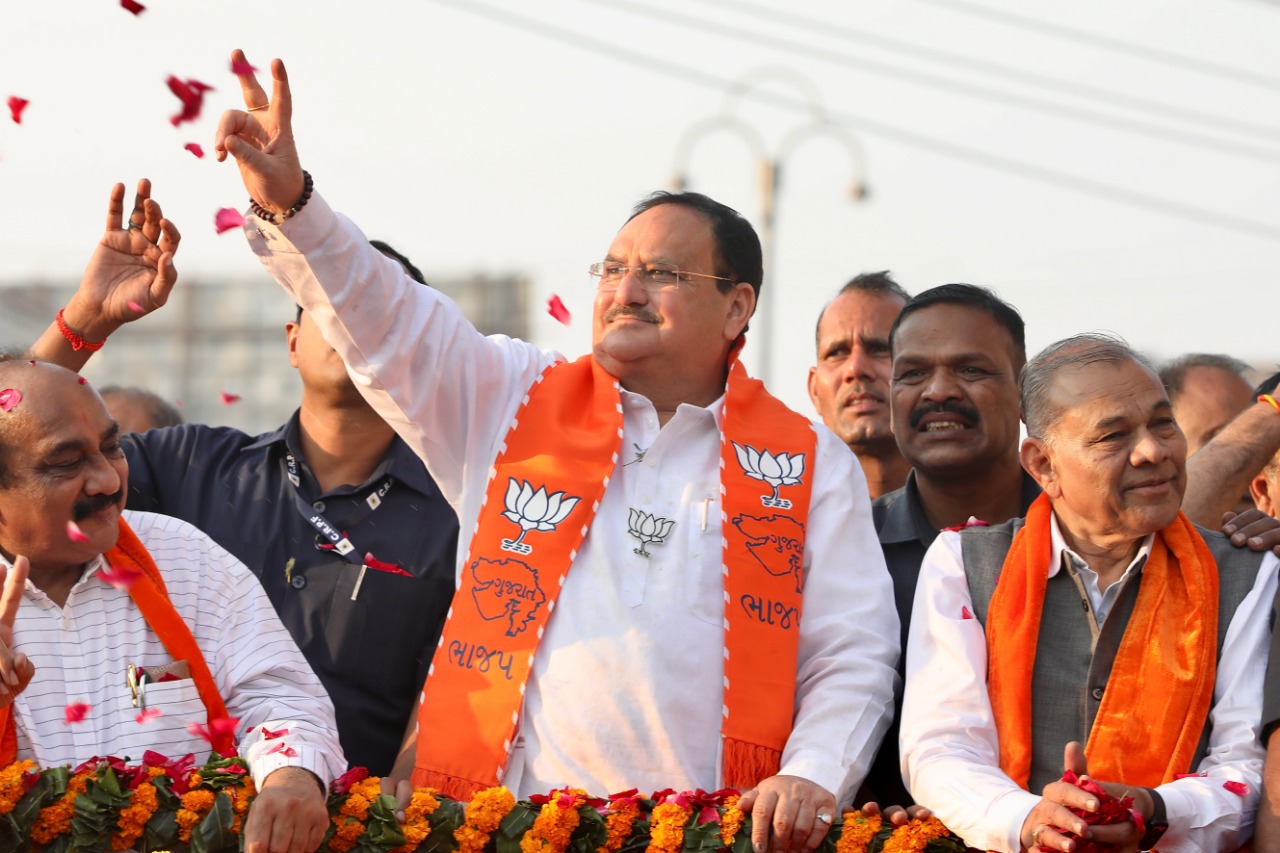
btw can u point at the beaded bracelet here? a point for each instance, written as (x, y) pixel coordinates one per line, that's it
(278, 218)
(1267, 398)
(77, 343)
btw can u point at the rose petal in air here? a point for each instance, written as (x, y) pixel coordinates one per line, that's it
(74, 533)
(16, 106)
(121, 578)
(1238, 788)
(191, 93)
(227, 218)
(135, 307)
(240, 67)
(220, 726)
(82, 380)
(964, 612)
(76, 712)
(194, 148)
(133, 6)
(10, 398)
(228, 398)
(556, 309)
(147, 715)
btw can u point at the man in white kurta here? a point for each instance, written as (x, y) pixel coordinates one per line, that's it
(626, 689)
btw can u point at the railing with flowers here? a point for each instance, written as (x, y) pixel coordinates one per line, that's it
(108, 805)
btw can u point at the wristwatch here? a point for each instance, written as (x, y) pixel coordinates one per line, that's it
(1157, 824)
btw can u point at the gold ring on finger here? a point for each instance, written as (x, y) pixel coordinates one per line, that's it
(1035, 835)
(255, 109)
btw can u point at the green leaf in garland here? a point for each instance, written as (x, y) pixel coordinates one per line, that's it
(702, 836)
(517, 822)
(382, 830)
(592, 832)
(213, 833)
(444, 823)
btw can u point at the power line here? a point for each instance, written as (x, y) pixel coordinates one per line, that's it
(1153, 54)
(1163, 133)
(996, 69)
(616, 51)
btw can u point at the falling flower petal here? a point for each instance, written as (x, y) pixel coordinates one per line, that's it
(135, 307)
(76, 712)
(344, 782)
(194, 148)
(1238, 788)
(16, 106)
(964, 612)
(240, 67)
(227, 218)
(191, 93)
(133, 6)
(74, 533)
(283, 749)
(82, 380)
(267, 734)
(147, 715)
(215, 729)
(556, 309)
(391, 568)
(228, 398)
(10, 398)
(122, 577)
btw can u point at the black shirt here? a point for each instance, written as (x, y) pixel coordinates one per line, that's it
(372, 652)
(905, 534)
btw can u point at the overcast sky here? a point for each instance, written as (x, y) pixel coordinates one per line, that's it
(1102, 165)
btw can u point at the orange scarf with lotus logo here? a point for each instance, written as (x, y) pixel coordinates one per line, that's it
(542, 495)
(1157, 700)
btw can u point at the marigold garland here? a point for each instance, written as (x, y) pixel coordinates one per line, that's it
(125, 807)
(666, 835)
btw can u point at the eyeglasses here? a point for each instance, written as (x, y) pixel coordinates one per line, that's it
(653, 277)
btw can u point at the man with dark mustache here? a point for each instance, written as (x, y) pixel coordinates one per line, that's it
(93, 593)
(849, 385)
(957, 352)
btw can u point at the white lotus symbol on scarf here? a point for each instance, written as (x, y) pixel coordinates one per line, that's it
(649, 529)
(533, 510)
(777, 470)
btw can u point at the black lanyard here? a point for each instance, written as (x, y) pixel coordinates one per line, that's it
(331, 533)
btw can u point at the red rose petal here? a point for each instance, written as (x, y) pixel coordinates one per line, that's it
(121, 578)
(556, 309)
(16, 106)
(191, 93)
(133, 306)
(133, 6)
(74, 533)
(220, 726)
(227, 218)
(964, 612)
(10, 398)
(76, 712)
(147, 715)
(194, 148)
(240, 67)
(267, 734)
(228, 398)
(283, 749)
(82, 380)
(1238, 788)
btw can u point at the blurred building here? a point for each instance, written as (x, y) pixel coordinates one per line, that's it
(217, 338)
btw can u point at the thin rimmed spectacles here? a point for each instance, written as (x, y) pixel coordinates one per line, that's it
(652, 277)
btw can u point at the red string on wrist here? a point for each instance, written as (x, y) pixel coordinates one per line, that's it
(77, 343)
(1267, 398)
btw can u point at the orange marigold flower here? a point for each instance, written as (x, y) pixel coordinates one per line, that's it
(731, 820)
(484, 814)
(133, 817)
(417, 824)
(857, 832)
(55, 819)
(666, 833)
(915, 836)
(348, 833)
(11, 787)
(621, 820)
(554, 825)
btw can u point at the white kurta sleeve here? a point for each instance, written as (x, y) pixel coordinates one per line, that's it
(950, 754)
(848, 632)
(449, 391)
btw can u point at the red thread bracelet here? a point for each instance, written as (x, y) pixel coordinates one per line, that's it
(1267, 398)
(77, 343)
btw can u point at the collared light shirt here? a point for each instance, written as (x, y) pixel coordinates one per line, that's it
(951, 756)
(1100, 600)
(368, 634)
(82, 650)
(626, 689)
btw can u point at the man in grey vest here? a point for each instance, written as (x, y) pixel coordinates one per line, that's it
(1104, 620)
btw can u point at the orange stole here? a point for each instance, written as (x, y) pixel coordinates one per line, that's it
(152, 598)
(563, 445)
(1151, 718)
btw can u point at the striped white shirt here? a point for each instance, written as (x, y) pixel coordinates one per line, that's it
(81, 653)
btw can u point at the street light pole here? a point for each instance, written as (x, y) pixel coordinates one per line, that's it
(769, 169)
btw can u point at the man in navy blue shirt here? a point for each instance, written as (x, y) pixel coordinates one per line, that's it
(337, 516)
